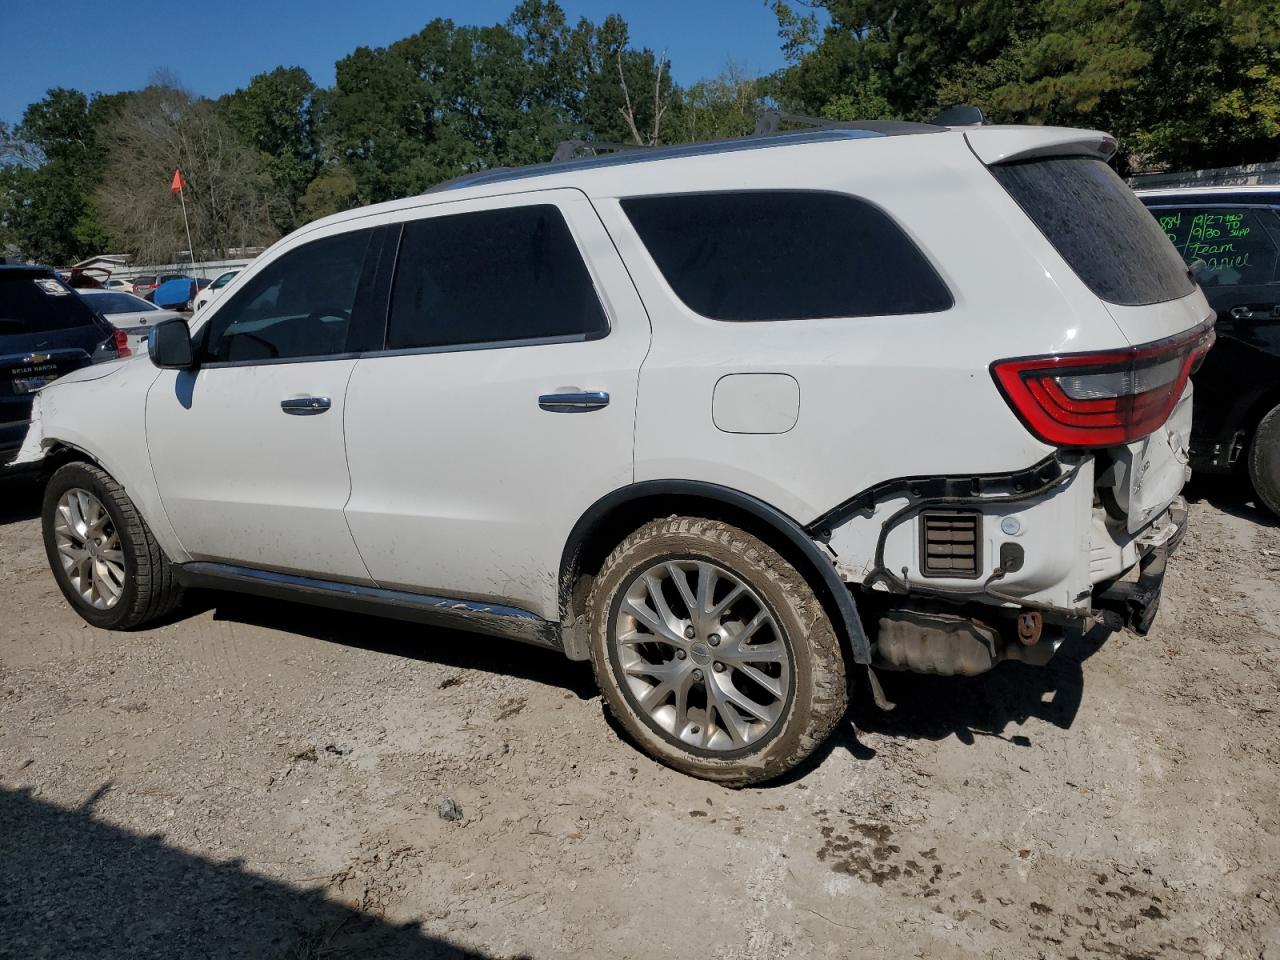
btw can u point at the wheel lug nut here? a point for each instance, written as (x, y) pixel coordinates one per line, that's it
(680, 654)
(689, 633)
(714, 639)
(719, 667)
(697, 674)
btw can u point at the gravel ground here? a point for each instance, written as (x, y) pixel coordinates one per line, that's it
(263, 780)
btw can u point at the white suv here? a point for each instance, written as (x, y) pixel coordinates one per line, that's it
(728, 420)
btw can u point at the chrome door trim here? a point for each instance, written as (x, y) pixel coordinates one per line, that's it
(305, 406)
(574, 401)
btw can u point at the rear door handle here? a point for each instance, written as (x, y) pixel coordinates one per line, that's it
(574, 401)
(1242, 313)
(305, 406)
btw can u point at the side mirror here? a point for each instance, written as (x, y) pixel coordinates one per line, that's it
(169, 345)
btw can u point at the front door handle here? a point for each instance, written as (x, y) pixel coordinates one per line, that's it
(1242, 313)
(305, 406)
(574, 401)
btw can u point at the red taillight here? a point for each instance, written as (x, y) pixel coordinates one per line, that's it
(122, 344)
(1101, 399)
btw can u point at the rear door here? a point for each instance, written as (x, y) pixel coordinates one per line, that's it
(45, 331)
(505, 403)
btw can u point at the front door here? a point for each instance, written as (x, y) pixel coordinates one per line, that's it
(248, 449)
(505, 403)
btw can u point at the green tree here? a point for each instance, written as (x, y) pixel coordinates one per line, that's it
(276, 116)
(1182, 83)
(53, 161)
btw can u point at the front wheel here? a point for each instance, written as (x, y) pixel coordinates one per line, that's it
(1264, 460)
(713, 653)
(102, 553)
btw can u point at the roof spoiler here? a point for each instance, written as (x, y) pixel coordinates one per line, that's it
(993, 145)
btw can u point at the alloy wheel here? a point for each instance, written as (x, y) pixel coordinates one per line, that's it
(701, 655)
(89, 549)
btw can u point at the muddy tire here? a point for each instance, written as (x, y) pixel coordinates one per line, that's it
(713, 653)
(102, 554)
(1264, 461)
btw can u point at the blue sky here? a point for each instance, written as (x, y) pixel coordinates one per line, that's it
(217, 47)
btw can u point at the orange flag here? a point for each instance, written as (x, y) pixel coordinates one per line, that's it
(178, 182)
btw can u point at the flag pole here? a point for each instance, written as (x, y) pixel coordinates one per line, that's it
(182, 195)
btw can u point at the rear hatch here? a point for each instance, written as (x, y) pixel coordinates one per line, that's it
(46, 330)
(1132, 402)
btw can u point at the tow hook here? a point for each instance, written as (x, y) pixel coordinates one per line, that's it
(1030, 625)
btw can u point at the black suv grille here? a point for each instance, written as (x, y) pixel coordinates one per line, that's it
(950, 543)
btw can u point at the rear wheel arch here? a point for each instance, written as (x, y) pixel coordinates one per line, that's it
(616, 515)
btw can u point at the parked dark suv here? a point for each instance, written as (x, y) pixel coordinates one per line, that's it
(1236, 232)
(45, 331)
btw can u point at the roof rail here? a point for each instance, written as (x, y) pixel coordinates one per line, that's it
(576, 149)
(770, 123)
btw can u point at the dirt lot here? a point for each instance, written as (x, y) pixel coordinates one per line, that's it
(258, 779)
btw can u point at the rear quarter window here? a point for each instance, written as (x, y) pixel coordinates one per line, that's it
(1100, 228)
(785, 255)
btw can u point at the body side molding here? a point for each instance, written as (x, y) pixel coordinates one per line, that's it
(493, 619)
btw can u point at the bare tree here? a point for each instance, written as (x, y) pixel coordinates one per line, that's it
(164, 128)
(660, 104)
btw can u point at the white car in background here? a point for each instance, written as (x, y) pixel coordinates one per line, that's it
(212, 290)
(128, 313)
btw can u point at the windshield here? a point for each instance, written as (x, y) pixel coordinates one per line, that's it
(30, 303)
(1100, 227)
(109, 303)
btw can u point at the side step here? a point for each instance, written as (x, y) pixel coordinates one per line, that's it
(488, 618)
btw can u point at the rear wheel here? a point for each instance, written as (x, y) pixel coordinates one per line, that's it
(103, 556)
(713, 653)
(1264, 460)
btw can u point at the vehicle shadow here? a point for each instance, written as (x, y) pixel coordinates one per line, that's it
(74, 885)
(19, 499)
(935, 708)
(449, 648)
(1232, 496)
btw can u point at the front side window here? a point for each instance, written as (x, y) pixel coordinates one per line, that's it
(1240, 246)
(303, 304)
(785, 255)
(494, 276)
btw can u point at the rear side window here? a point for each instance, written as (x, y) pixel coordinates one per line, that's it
(303, 304)
(1240, 246)
(30, 303)
(1099, 227)
(494, 276)
(785, 255)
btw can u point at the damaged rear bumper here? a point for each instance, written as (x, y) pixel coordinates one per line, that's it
(1133, 601)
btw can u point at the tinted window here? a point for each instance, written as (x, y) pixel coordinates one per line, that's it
(223, 280)
(108, 303)
(301, 305)
(1237, 244)
(785, 256)
(33, 303)
(1099, 227)
(490, 277)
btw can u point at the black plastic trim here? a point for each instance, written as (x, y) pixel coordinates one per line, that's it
(850, 625)
(943, 486)
(488, 618)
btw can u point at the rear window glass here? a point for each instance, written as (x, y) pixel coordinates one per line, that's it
(1239, 245)
(108, 303)
(1100, 227)
(32, 304)
(785, 255)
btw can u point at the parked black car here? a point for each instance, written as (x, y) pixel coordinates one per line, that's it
(1236, 232)
(46, 330)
